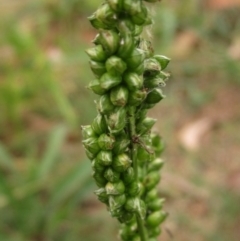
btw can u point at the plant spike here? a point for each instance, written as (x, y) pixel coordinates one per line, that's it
(123, 150)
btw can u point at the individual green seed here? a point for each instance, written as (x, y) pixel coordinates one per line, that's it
(99, 125)
(153, 82)
(127, 232)
(121, 162)
(99, 179)
(97, 166)
(106, 142)
(97, 53)
(151, 180)
(164, 75)
(108, 81)
(126, 217)
(116, 188)
(133, 188)
(102, 195)
(145, 125)
(136, 238)
(104, 105)
(119, 95)
(109, 39)
(105, 158)
(132, 204)
(125, 26)
(146, 46)
(151, 195)
(106, 14)
(154, 232)
(138, 30)
(116, 5)
(162, 60)
(96, 87)
(89, 154)
(87, 132)
(111, 175)
(116, 212)
(151, 67)
(158, 144)
(143, 155)
(133, 81)
(91, 144)
(136, 97)
(132, 7)
(117, 120)
(116, 202)
(121, 145)
(157, 164)
(154, 96)
(97, 23)
(139, 70)
(155, 218)
(128, 176)
(115, 65)
(135, 58)
(140, 17)
(97, 68)
(126, 46)
(155, 205)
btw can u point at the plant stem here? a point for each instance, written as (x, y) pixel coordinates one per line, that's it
(132, 132)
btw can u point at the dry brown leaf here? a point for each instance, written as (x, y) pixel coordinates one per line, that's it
(190, 136)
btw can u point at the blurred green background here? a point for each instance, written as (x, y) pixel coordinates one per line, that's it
(46, 190)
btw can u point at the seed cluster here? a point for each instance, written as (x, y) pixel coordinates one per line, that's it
(123, 151)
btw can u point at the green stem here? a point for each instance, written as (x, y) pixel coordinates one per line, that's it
(132, 126)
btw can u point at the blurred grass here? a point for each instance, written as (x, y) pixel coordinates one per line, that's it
(45, 184)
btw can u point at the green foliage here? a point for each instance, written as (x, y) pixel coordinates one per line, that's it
(35, 200)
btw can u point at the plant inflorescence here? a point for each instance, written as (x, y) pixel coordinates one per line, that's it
(124, 153)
